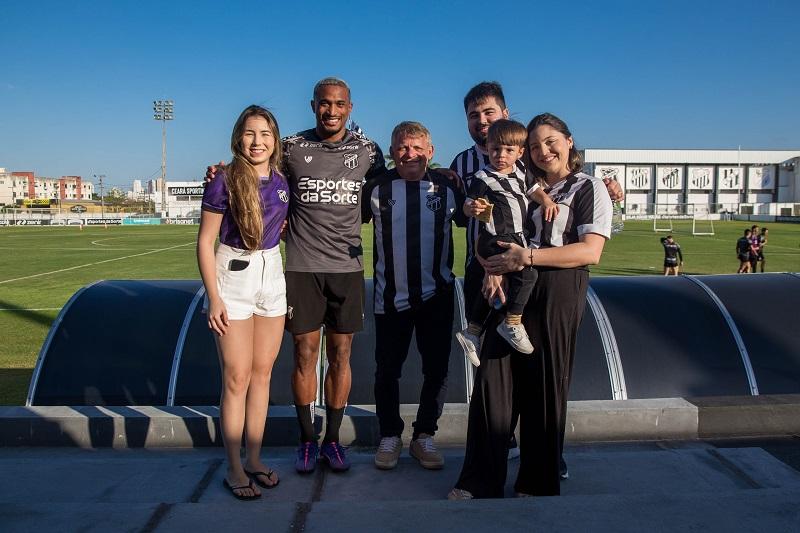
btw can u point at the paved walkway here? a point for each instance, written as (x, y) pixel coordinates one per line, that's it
(731, 485)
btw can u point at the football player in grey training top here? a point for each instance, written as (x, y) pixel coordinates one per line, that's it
(326, 167)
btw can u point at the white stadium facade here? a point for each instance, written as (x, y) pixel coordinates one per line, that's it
(764, 184)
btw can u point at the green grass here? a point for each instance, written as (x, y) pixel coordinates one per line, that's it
(40, 268)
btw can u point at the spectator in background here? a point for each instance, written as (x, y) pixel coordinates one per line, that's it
(762, 238)
(673, 258)
(743, 252)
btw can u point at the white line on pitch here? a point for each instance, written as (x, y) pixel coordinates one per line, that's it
(96, 263)
(33, 309)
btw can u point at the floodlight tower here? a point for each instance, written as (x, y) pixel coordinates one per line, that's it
(163, 111)
(101, 177)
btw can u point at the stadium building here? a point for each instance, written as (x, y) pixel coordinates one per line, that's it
(714, 182)
(183, 199)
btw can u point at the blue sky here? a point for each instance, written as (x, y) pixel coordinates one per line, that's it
(77, 79)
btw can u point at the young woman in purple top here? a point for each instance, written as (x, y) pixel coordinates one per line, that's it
(245, 290)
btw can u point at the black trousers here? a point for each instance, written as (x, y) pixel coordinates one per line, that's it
(433, 322)
(520, 284)
(537, 386)
(475, 306)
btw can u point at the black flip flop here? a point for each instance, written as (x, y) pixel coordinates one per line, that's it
(268, 475)
(240, 496)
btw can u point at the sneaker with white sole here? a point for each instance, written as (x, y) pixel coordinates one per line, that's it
(388, 453)
(516, 336)
(459, 494)
(423, 449)
(469, 343)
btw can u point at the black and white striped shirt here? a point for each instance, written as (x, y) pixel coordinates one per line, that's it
(413, 240)
(466, 164)
(584, 207)
(507, 193)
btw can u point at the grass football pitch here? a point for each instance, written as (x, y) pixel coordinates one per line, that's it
(40, 268)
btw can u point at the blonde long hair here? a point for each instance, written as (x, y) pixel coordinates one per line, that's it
(242, 179)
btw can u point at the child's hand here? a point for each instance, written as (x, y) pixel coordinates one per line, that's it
(550, 210)
(473, 208)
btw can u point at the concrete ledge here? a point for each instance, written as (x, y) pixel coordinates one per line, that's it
(748, 415)
(609, 420)
(601, 420)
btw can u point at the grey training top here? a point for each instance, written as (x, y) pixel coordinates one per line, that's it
(325, 180)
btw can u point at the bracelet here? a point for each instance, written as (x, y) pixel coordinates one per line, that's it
(531, 258)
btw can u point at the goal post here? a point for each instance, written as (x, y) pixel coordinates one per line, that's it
(697, 219)
(702, 219)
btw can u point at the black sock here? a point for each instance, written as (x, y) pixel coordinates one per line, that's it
(334, 417)
(305, 417)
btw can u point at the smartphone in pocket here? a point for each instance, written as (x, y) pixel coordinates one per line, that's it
(235, 265)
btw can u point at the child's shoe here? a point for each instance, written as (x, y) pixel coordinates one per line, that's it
(469, 342)
(516, 336)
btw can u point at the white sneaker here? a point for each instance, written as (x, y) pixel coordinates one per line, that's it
(459, 494)
(516, 336)
(469, 343)
(388, 453)
(423, 449)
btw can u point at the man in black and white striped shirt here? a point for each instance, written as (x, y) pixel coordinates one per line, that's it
(483, 104)
(412, 209)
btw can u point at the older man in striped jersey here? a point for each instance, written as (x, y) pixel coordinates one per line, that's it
(412, 209)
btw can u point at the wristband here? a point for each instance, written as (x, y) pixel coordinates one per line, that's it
(531, 258)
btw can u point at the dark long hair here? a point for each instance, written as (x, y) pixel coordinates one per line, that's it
(575, 161)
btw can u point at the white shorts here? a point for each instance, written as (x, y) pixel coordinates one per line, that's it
(258, 289)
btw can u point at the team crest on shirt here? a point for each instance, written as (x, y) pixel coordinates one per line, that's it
(434, 202)
(391, 202)
(283, 195)
(308, 158)
(351, 160)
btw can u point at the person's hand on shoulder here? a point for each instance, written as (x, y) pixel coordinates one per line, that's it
(451, 175)
(211, 170)
(614, 190)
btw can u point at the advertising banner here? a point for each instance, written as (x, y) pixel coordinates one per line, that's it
(101, 221)
(140, 221)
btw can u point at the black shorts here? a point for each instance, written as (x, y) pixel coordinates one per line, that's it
(744, 257)
(670, 263)
(335, 300)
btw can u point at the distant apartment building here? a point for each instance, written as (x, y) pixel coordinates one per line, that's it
(15, 187)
